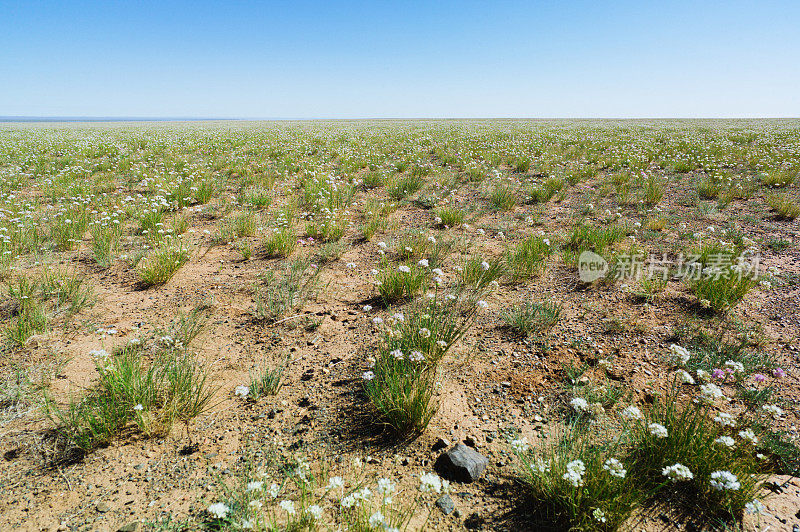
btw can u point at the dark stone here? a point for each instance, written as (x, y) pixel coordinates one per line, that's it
(445, 504)
(440, 444)
(474, 522)
(461, 464)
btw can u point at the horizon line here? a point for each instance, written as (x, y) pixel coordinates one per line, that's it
(92, 118)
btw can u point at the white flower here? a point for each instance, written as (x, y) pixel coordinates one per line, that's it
(274, 489)
(540, 466)
(242, 391)
(315, 511)
(254, 486)
(385, 487)
(482, 304)
(657, 430)
(376, 519)
(684, 377)
(614, 468)
(430, 482)
(351, 265)
(219, 510)
(737, 367)
(416, 356)
(484, 266)
(335, 482)
(382, 245)
(605, 364)
(438, 272)
(368, 375)
(403, 269)
(725, 419)
(520, 445)
(710, 392)
(599, 515)
(349, 501)
(703, 375)
(724, 480)
(247, 524)
(255, 504)
(677, 473)
(773, 410)
(727, 441)
(754, 507)
(138, 407)
(398, 316)
(580, 404)
(631, 412)
(377, 320)
(423, 263)
(367, 308)
(99, 354)
(748, 435)
(574, 474)
(680, 355)
(287, 506)
(397, 354)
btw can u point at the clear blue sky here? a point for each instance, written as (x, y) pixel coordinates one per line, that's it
(307, 58)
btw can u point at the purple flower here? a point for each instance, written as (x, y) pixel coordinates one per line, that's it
(778, 373)
(718, 374)
(759, 377)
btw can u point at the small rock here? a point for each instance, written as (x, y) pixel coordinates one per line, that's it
(135, 526)
(103, 507)
(462, 464)
(445, 504)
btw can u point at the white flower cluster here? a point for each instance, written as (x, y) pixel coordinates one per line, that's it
(710, 393)
(431, 482)
(631, 412)
(615, 468)
(575, 471)
(724, 480)
(657, 430)
(680, 355)
(520, 445)
(677, 473)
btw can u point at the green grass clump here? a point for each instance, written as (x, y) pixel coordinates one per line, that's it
(503, 197)
(40, 298)
(779, 178)
(161, 264)
(528, 258)
(449, 217)
(132, 392)
(543, 192)
(266, 381)
(691, 440)
(399, 187)
(280, 242)
(399, 282)
(400, 384)
(784, 206)
(531, 318)
(477, 273)
(276, 295)
(567, 484)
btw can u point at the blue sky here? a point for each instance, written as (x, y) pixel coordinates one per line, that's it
(329, 59)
